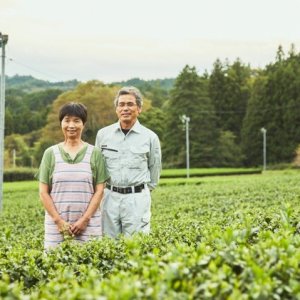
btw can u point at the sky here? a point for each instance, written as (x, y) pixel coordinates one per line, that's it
(116, 40)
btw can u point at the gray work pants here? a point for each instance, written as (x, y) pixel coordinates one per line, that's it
(126, 213)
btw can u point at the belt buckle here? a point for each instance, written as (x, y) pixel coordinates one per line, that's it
(115, 189)
(128, 190)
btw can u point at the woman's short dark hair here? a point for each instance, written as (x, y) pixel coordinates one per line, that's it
(73, 109)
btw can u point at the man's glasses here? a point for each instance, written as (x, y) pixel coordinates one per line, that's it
(128, 104)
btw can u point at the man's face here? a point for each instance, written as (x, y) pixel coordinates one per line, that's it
(127, 109)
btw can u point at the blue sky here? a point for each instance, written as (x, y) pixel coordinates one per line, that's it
(116, 40)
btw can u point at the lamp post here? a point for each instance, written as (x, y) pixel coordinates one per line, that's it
(3, 41)
(186, 121)
(264, 132)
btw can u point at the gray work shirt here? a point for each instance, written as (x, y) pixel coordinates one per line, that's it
(131, 159)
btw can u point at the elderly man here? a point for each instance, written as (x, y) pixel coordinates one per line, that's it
(133, 159)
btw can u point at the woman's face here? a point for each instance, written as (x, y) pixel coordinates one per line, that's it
(72, 127)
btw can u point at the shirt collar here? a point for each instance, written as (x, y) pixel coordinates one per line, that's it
(136, 127)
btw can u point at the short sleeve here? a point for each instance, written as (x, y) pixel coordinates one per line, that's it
(99, 170)
(45, 171)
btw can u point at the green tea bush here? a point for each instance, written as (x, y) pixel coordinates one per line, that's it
(227, 238)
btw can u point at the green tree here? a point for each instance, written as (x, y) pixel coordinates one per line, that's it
(229, 90)
(16, 142)
(190, 97)
(154, 119)
(229, 152)
(254, 121)
(275, 106)
(39, 149)
(97, 97)
(9, 122)
(156, 90)
(28, 112)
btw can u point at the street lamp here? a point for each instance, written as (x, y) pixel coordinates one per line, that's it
(3, 42)
(186, 121)
(264, 132)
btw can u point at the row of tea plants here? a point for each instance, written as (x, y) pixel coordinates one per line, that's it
(221, 238)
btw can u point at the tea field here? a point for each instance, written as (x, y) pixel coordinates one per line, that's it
(227, 237)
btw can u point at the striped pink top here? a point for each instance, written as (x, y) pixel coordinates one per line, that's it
(72, 190)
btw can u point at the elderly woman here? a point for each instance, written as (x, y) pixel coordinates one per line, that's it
(72, 176)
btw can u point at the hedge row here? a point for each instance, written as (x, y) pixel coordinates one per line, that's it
(19, 174)
(22, 174)
(181, 173)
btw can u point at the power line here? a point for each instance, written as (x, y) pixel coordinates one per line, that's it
(32, 69)
(229, 112)
(244, 112)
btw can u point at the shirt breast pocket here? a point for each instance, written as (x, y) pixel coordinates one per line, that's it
(138, 157)
(111, 158)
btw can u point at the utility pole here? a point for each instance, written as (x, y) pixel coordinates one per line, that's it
(186, 120)
(264, 132)
(14, 158)
(3, 41)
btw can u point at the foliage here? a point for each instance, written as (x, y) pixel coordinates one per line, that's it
(156, 90)
(19, 174)
(27, 112)
(154, 119)
(229, 152)
(296, 161)
(231, 237)
(98, 99)
(252, 141)
(40, 148)
(16, 142)
(227, 108)
(189, 97)
(229, 90)
(199, 172)
(30, 84)
(274, 105)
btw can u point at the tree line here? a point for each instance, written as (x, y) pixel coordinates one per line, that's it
(227, 108)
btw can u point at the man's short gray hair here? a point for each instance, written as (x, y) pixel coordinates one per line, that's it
(130, 90)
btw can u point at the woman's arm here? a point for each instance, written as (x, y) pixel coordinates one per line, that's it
(47, 201)
(79, 226)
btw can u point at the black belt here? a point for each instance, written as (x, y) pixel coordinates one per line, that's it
(126, 190)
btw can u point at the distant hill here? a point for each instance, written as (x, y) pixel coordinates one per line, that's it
(164, 84)
(30, 84)
(157, 90)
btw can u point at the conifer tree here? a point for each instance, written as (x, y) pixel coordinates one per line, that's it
(275, 105)
(190, 97)
(230, 91)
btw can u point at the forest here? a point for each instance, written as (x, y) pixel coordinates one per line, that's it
(227, 107)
